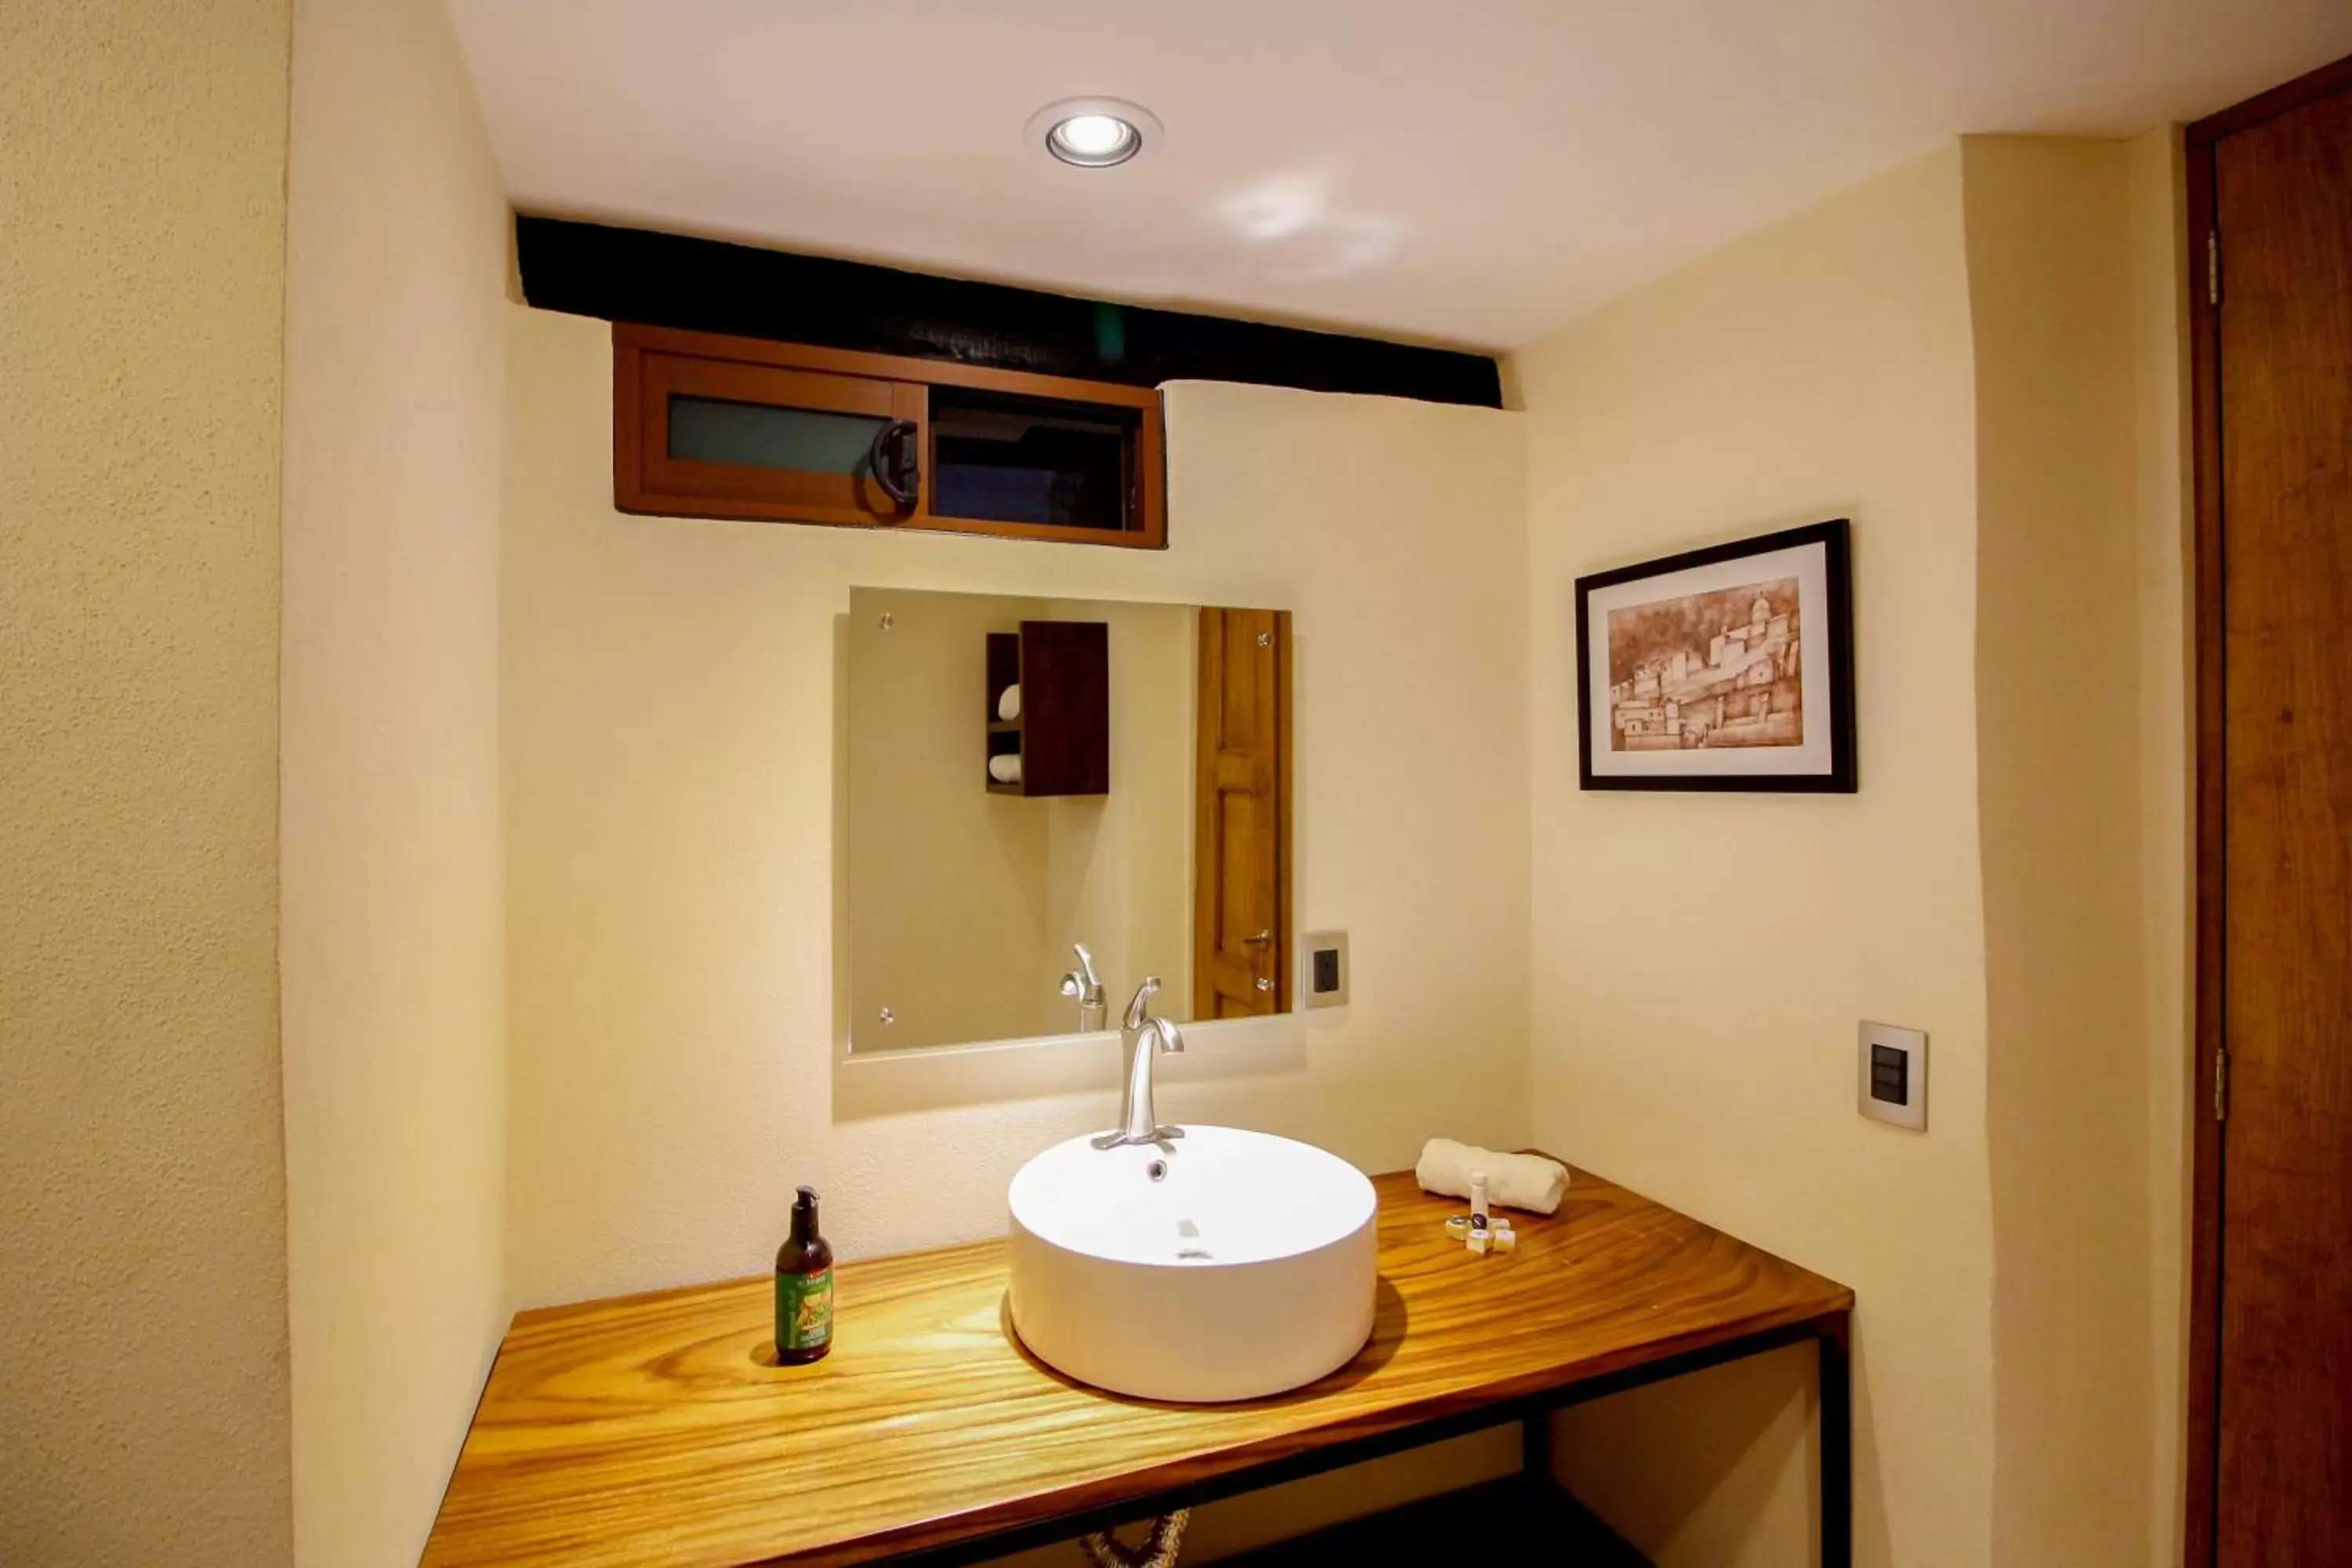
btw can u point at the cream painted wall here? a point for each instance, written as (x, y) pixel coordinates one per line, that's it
(1699, 960)
(392, 873)
(142, 1294)
(669, 748)
(962, 905)
(2058, 769)
(1977, 358)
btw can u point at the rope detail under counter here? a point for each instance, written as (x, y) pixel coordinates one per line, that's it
(1159, 1549)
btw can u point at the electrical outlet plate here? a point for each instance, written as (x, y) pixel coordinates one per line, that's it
(1323, 971)
(1893, 1075)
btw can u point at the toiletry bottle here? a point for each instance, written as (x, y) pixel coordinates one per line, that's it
(804, 1288)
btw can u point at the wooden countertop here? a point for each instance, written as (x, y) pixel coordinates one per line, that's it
(659, 1429)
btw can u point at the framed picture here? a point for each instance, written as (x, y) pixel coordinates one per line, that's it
(1727, 668)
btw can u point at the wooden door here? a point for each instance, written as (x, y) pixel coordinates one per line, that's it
(2275, 568)
(1241, 893)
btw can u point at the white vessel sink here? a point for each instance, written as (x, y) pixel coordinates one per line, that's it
(1223, 1264)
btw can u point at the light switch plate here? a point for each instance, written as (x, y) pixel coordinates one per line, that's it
(1323, 968)
(1893, 1075)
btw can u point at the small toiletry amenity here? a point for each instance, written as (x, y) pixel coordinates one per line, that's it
(1527, 1181)
(1483, 1240)
(1481, 1230)
(804, 1288)
(1494, 1236)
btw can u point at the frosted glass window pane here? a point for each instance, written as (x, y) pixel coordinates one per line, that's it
(762, 436)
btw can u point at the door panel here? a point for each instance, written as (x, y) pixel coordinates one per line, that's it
(2283, 1396)
(1240, 947)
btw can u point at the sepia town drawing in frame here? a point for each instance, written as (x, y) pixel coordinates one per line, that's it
(1730, 667)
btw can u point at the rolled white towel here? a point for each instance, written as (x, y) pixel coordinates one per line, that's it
(1008, 706)
(1527, 1181)
(1005, 769)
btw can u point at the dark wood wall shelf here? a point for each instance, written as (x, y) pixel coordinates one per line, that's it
(659, 1429)
(1063, 735)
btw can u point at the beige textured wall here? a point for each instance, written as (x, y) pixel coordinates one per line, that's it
(142, 1289)
(394, 1070)
(1700, 961)
(962, 904)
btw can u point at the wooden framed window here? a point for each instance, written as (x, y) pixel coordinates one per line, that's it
(745, 440)
(706, 426)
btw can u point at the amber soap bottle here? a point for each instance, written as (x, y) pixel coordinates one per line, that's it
(804, 1288)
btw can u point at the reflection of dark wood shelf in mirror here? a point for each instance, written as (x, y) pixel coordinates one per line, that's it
(1063, 735)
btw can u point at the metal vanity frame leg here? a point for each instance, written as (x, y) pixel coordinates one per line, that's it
(1831, 1335)
(1835, 1352)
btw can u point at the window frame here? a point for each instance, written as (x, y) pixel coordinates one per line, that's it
(650, 363)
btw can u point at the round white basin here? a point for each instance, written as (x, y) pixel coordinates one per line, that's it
(1223, 1264)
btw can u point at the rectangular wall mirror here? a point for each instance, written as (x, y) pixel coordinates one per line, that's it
(1023, 777)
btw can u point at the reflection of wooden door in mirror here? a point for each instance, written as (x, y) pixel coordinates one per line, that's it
(1241, 890)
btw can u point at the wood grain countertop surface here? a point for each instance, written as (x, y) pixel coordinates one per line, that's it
(659, 1429)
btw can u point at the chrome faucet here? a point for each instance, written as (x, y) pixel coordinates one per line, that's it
(1147, 1034)
(1081, 984)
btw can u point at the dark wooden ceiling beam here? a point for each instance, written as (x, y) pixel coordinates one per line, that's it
(704, 285)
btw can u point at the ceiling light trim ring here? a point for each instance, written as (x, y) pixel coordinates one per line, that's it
(1046, 132)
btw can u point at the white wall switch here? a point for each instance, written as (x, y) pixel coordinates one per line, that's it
(1894, 1075)
(1323, 968)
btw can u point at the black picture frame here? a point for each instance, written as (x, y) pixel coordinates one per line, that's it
(1843, 775)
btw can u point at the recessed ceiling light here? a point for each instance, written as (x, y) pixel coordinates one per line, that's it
(1094, 133)
(1094, 140)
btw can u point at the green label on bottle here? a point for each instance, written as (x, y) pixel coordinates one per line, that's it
(803, 1310)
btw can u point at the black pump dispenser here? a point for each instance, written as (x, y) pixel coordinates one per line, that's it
(804, 1288)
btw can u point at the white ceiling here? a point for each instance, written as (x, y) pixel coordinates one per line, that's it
(1465, 171)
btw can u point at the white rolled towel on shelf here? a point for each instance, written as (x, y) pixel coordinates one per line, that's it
(1527, 1181)
(1005, 769)
(1008, 706)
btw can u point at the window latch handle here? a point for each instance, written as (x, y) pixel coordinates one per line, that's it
(892, 460)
